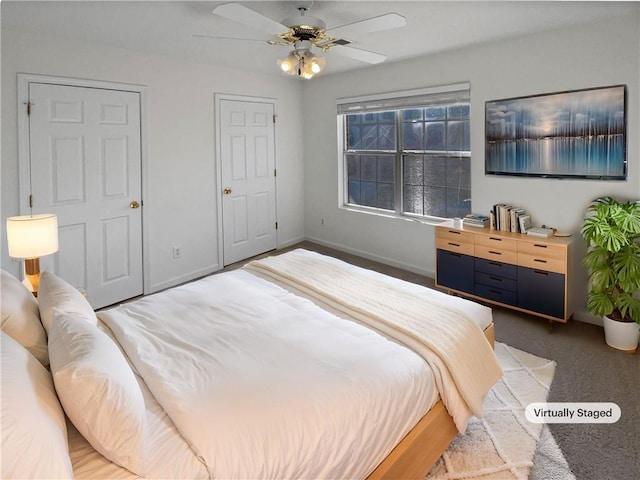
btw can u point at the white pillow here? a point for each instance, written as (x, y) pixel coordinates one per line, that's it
(34, 434)
(54, 292)
(21, 317)
(98, 390)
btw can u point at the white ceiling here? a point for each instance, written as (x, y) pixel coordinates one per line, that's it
(167, 27)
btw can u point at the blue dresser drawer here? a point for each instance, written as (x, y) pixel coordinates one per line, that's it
(509, 297)
(495, 281)
(454, 270)
(498, 269)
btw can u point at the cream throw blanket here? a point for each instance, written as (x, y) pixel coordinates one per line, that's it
(455, 347)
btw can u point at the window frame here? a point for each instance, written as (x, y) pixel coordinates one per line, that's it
(397, 101)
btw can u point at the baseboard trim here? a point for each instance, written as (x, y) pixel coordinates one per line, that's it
(175, 281)
(376, 258)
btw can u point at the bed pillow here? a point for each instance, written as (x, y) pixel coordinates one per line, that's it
(34, 433)
(21, 317)
(98, 390)
(54, 292)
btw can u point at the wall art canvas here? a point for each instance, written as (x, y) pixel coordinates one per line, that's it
(576, 134)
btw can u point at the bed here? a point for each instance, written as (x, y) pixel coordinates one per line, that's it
(295, 366)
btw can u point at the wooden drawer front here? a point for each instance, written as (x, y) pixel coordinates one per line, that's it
(496, 281)
(497, 243)
(455, 235)
(542, 250)
(497, 269)
(509, 297)
(492, 253)
(455, 245)
(549, 264)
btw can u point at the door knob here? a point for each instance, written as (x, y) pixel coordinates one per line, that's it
(227, 191)
(134, 204)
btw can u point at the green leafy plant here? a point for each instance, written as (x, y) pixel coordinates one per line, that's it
(612, 232)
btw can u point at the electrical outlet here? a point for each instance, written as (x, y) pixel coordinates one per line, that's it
(177, 252)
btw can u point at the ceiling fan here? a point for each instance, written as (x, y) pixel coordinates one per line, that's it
(305, 32)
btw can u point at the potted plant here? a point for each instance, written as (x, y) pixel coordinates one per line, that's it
(612, 231)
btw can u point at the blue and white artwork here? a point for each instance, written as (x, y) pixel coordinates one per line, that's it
(571, 134)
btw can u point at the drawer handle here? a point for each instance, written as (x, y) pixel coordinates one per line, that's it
(494, 252)
(539, 260)
(453, 254)
(539, 246)
(539, 272)
(496, 239)
(453, 244)
(495, 279)
(497, 292)
(495, 264)
(455, 232)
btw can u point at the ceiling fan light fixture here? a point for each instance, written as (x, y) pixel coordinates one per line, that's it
(302, 63)
(288, 64)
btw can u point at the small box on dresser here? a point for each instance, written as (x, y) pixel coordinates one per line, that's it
(513, 270)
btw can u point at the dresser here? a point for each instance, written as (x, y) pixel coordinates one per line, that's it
(514, 270)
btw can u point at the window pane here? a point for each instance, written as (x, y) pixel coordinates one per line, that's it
(386, 196)
(458, 139)
(387, 117)
(387, 136)
(413, 114)
(435, 171)
(369, 118)
(369, 137)
(354, 137)
(353, 167)
(458, 202)
(386, 169)
(413, 173)
(413, 199)
(434, 136)
(368, 167)
(458, 111)
(435, 113)
(459, 172)
(435, 202)
(369, 194)
(354, 192)
(412, 136)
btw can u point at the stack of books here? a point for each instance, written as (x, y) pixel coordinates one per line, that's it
(476, 220)
(508, 218)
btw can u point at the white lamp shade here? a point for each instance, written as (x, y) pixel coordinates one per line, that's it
(32, 236)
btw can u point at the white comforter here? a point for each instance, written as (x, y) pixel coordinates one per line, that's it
(265, 384)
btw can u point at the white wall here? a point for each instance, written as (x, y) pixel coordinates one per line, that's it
(180, 186)
(606, 53)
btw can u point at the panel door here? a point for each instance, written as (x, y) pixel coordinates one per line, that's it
(248, 179)
(86, 167)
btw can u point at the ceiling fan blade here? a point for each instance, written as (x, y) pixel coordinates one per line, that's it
(202, 35)
(358, 54)
(374, 24)
(246, 16)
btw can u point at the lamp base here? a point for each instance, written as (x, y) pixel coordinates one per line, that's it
(32, 272)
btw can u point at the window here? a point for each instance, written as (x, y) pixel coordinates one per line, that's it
(408, 155)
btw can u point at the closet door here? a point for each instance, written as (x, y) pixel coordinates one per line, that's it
(85, 166)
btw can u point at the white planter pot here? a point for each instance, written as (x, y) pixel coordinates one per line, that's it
(621, 335)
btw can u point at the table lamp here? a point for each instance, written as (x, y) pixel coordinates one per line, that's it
(31, 237)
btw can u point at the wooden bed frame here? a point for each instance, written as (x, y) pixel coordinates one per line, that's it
(418, 451)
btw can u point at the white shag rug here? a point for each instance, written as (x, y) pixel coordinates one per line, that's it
(502, 445)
